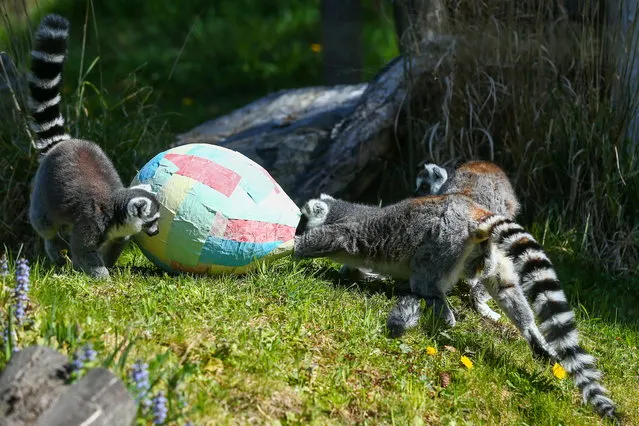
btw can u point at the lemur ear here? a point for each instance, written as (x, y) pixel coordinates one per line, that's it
(440, 172)
(326, 197)
(139, 207)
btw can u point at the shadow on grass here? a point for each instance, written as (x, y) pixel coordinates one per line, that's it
(613, 299)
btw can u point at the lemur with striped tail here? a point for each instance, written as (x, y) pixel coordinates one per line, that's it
(435, 241)
(487, 185)
(76, 188)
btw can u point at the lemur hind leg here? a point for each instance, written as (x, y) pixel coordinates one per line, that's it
(53, 243)
(54, 247)
(504, 288)
(480, 296)
(85, 252)
(426, 285)
(404, 315)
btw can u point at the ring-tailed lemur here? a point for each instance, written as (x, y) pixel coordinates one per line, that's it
(314, 215)
(76, 186)
(434, 241)
(487, 185)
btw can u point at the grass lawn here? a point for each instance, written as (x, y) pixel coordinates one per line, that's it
(291, 344)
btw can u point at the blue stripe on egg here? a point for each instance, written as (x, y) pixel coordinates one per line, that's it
(220, 251)
(150, 168)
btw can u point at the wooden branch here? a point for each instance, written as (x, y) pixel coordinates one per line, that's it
(276, 111)
(283, 131)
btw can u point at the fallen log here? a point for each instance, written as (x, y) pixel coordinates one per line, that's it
(329, 139)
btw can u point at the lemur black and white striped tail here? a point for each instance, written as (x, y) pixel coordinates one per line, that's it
(557, 320)
(45, 81)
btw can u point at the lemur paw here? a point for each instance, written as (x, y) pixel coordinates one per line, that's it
(404, 315)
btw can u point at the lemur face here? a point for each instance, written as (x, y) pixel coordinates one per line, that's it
(430, 180)
(315, 212)
(143, 211)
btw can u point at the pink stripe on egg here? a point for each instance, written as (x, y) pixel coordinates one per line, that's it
(257, 232)
(207, 172)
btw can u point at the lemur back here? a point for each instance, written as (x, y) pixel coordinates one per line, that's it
(484, 182)
(487, 185)
(436, 240)
(76, 187)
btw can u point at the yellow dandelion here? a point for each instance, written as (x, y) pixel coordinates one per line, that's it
(316, 47)
(430, 350)
(467, 362)
(187, 101)
(559, 371)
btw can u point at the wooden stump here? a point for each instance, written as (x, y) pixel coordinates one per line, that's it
(34, 391)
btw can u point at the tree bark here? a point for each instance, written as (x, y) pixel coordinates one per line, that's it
(342, 41)
(418, 20)
(623, 48)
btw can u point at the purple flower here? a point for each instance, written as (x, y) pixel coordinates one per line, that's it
(89, 353)
(21, 289)
(14, 339)
(4, 267)
(140, 376)
(82, 355)
(159, 408)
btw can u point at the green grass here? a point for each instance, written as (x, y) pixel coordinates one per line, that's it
(290, 343)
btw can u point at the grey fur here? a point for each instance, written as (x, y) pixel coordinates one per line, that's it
(404, 315)
(487, 185)
(484, 182)
(316, 214)
(436, 240)
(77, 193)
(430, 180)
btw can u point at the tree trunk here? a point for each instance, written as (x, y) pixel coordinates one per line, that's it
(418, 20)
(342, 41)
(623, 38)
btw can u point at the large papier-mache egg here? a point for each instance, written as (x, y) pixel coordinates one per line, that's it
(220, 211)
